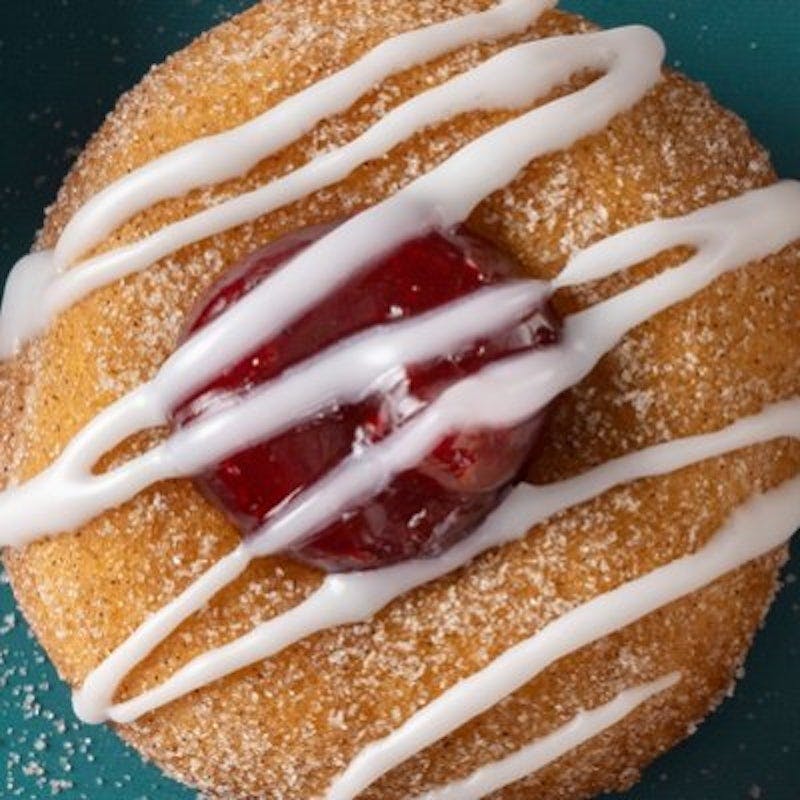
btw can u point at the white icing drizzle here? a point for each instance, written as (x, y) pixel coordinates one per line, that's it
(529, 760)
(759, 526)
(724, 236)
(42, 286)
(356, 597)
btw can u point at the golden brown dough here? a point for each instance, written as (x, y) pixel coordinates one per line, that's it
(282, 729)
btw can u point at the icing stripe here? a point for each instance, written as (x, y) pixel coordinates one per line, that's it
(215, 159)
(529, 760)
(355, 597)
(759, 526)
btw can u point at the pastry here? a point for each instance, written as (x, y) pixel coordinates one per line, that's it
(402, 402)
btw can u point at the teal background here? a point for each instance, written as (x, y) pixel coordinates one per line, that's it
(62, 65)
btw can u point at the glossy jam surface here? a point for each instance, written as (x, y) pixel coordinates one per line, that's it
(423, 510)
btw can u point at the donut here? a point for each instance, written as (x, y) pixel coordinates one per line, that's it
(401, 401)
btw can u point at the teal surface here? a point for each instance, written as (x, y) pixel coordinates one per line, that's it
(62, 65)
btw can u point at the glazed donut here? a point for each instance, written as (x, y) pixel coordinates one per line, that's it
(635, 293)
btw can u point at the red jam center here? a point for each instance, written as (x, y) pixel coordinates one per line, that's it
(424, 510)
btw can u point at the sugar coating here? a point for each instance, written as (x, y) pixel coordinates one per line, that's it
(283, 728)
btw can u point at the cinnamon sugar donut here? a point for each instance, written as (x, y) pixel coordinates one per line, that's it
(554, 664)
